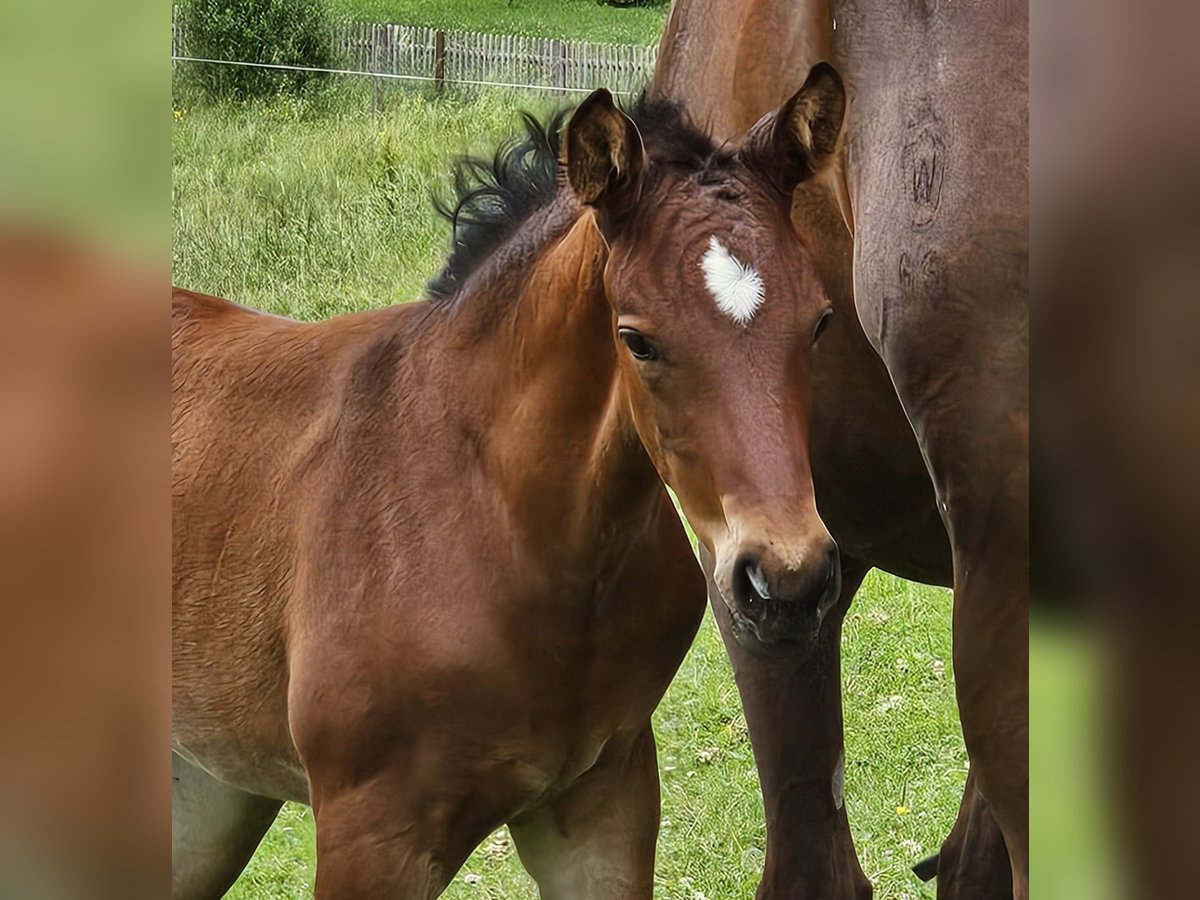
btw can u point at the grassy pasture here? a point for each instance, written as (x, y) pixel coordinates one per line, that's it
(585, 20)
(315, 208)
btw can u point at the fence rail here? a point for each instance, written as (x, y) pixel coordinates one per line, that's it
(408, 50)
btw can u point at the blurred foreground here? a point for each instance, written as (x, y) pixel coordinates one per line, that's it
(1116, 365)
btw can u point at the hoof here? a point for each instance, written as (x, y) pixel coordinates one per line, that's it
(926, 869)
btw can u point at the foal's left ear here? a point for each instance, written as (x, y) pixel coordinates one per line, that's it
(605, 157)
(800, 138)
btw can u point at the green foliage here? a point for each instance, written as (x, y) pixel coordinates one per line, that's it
(277, 32)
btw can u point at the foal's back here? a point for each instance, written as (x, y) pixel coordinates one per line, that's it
(273, 421)
(262, 406)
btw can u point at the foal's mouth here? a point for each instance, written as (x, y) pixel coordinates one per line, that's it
(746, 632)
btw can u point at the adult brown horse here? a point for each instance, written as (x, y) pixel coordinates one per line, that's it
(427, 576)
(934, 189)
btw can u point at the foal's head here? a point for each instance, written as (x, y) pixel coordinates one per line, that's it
(716, 308)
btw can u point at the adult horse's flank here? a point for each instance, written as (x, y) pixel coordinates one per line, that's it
(934, 188)
(427, 576)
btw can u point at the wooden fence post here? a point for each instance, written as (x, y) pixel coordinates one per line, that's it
(439, 59)
(375, 68)
(558, 73)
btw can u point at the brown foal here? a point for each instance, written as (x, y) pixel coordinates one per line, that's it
(426, 574)
(919, 422)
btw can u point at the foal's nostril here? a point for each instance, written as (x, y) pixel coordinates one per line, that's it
(758, 580)
(789, 592)
(750, 581)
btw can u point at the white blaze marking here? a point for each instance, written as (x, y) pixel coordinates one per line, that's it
(736, 287)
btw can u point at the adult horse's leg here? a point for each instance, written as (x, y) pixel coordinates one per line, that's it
(971, 420)
(991, 665)
(939, 177)
(597, 840)
(214, 831)
(973, 863)
(794, 715)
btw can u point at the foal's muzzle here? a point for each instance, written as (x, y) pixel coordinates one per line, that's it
(778, 610)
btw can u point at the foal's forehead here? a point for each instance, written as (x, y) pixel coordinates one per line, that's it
(706, 234)
(689, 208)
(723, 246)
(725, 274)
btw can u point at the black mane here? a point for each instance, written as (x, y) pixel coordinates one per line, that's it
(493, 197)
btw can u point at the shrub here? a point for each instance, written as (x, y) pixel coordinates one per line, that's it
(279, 32)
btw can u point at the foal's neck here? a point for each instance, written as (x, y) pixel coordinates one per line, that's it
(561, 443)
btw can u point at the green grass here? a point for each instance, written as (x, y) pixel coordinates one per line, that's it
(581, 20)
(315, 208)
(585, 20)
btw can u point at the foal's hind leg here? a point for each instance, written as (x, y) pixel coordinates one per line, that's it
(597, 839)
(973, 863)
(214, 830)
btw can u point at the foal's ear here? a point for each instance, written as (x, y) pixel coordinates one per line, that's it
(800, 138)
(604, 156)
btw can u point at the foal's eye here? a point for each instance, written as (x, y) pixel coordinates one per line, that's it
(821, 323)
(638, 345)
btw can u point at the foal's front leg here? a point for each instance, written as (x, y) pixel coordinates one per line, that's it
(391, 835)
(372, 843)
(596, 841)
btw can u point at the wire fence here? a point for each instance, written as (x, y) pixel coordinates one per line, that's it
(417, 53)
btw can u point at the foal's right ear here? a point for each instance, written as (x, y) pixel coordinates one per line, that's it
(604, 156)
(802, 137)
